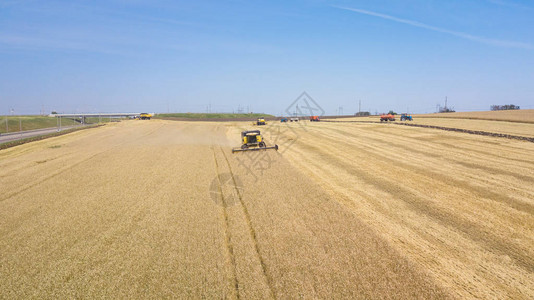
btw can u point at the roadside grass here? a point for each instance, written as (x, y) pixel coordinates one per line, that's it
(29, 122)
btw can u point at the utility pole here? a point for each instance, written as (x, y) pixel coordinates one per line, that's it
(445, 102)
(360, 106)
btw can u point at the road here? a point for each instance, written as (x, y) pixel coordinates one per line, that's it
(13, 136)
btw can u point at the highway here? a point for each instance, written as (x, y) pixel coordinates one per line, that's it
(13, 136)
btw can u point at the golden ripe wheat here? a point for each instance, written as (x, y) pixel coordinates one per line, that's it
(347, 211)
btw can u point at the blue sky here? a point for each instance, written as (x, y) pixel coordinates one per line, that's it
(183, 56)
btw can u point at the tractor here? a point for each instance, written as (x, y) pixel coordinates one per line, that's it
(406, 117)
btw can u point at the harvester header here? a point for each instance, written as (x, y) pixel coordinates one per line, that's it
(252, 140)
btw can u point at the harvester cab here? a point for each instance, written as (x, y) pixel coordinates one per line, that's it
(252, 141)
(261, 121)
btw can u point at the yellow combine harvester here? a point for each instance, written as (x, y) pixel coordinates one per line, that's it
(145, 116)
(252, 141)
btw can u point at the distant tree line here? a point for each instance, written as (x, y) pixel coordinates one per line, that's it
(362, 114)
(504, 107)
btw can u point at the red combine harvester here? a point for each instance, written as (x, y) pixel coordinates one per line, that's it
(314, 119)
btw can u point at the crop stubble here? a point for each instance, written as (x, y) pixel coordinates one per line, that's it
(125, 211)
(459, 205)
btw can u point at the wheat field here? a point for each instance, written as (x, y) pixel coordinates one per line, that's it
(344, 210)
(459, 205)
(522, 115)
(503, 127)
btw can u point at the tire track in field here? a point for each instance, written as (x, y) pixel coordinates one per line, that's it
(472, 230)
(227, 233)
(520, 205)
(60, 171)
(476, 190)
(482, 192)
(456, 146)
(251, 229)
(439, 216)
(477, 132)
(357, 197)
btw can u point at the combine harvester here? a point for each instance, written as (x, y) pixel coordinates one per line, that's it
(252, 141)
(145, 116)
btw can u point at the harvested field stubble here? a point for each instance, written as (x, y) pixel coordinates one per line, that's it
(523, 115)
(514, 128)
(125, 211)
(504, 127)
(459, 205)
(349, 211)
